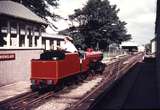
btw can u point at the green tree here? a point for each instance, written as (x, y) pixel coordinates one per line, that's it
(98, 25)
(42, 8)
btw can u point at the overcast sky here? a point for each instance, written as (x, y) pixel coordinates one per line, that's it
(139, 15)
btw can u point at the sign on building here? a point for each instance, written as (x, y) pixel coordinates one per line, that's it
(10, 56)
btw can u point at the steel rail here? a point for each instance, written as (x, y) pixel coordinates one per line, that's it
(116, 70)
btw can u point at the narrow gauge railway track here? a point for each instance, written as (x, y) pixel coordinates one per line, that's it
(87, 101)
(29, 100)
(8, 103)
(25, 101)
(33, 99)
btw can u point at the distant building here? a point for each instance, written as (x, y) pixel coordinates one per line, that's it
(141, 48)
(22, 38)
(129, 46)
(153, 46)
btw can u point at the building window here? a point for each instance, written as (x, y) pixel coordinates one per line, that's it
(30, 41)
(58, 42)
(22, 41)
(43, 42)
(2, 40)
(13, 40)
(3, 34)
(30, 37)
(36, 41)
(51, 44)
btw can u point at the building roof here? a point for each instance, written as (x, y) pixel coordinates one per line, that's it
(18, 10)
(129, 43)
(56, 36)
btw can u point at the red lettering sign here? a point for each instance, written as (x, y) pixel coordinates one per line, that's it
(7, 57)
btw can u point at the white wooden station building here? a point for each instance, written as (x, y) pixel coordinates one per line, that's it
(22, 38)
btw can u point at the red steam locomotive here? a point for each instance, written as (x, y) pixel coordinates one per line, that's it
(55, 67)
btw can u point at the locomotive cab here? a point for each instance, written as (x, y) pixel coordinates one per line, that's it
(95, 57)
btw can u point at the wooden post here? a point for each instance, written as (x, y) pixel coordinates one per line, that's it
(40, 38)
(26, 35)
(8, 34)
(55, 44)
(47, 44)
(33, 37)
(18, 35)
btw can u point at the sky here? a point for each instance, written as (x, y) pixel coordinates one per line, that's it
(138, 14)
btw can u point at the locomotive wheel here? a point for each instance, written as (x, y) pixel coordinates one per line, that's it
(80, 78)
(69, 83)
(93, 72)
(59, 86)
(100, 67)
(34, 88)
(76, 80)
(83, 76)
(90, 75)
(50, 87)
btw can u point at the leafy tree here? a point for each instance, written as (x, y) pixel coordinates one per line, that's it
(77, 36)
(98, 25)
(42, 8)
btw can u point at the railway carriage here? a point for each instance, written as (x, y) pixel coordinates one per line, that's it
(56, 66)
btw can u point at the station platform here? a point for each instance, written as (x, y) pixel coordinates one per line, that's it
(14, 89)
(136, 90)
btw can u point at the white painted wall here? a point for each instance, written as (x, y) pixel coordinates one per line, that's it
(18, 69)
(47, 44)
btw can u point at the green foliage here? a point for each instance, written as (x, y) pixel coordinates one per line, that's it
(42, 8)
(98, 24)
